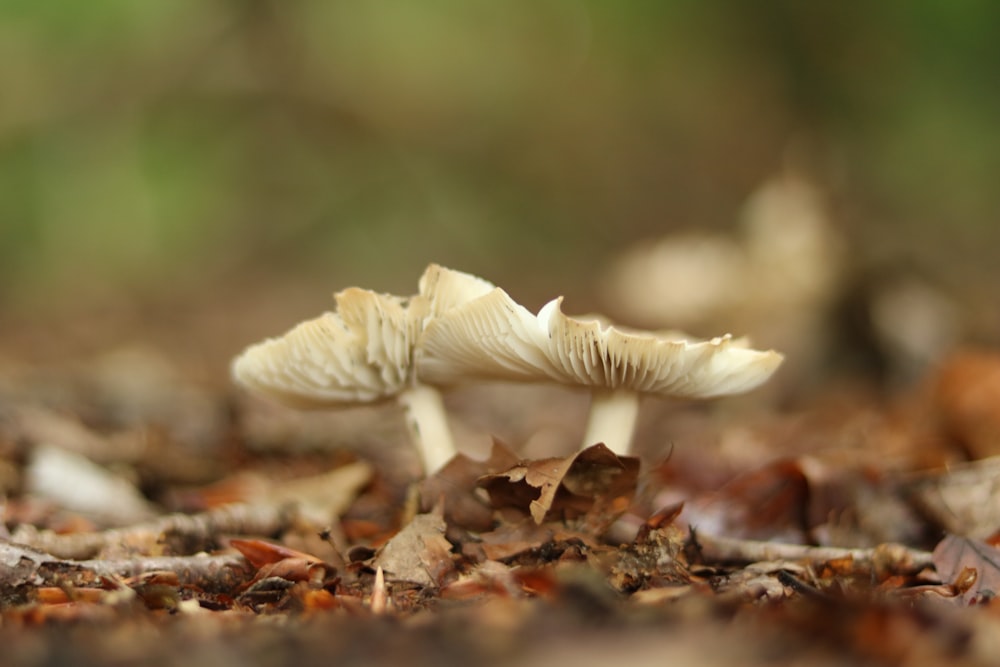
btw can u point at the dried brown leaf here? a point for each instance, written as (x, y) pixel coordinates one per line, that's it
(488, 578)
(766, 503)
(954, 556)
(455, 485)
(509, 540)
(964, 499)
(593, 482)
(261, 552)
(419, 553)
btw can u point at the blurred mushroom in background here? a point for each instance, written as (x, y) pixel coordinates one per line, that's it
(775, 280)
(895, 323)
(788, 280)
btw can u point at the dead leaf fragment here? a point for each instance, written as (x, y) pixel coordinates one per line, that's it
(655, 559)
(323, 498)
(261, 553)
(594, 481)
(768, 503)
(954, 556)
(510, 540)
(418, 554)
(455, 485)
(964, 499)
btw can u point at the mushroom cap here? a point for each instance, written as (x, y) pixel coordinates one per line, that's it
(494, 338)
(444, 289)
(362, 352)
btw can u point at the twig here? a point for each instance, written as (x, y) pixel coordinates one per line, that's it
(380, 594)
(189, 533)
(20, 565)
(891, 557)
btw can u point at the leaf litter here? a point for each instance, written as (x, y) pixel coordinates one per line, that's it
(838, 543)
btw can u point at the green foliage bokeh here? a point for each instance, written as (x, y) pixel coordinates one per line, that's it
(166, 144)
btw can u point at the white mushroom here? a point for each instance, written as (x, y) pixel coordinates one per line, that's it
(363, 352)
(493, 337)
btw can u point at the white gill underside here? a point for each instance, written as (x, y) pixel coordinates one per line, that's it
(495, 338)
(362, 352)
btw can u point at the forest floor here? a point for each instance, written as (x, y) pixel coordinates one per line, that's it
(152, 517)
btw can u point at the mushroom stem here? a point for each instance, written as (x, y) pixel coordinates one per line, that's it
(612, 419)
(428, 424)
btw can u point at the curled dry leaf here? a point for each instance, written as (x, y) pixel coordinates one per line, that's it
(261, 553)
(275, 560)
(594, 482)
(454, 487)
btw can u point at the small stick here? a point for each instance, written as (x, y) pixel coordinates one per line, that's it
(380, 594)
(893, 557)
(192, 529)
(27, 566)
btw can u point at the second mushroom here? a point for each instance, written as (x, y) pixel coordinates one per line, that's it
(492, 337)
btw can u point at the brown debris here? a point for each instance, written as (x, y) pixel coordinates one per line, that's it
(964, 499)
(23, 566)
(884, 558)
(801, 536)
(418, 554)
(595, 481)
(967, 390)
(187, 533)
(971, 566)
(454, 488)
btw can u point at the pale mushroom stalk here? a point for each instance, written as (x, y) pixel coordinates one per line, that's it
(363, 353)
(613, 415)
(428, 424)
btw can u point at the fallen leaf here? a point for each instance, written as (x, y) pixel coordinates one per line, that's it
(275, 560)
(261, 553)
(488, 578)
(954, 556)
(766, 503)
(593, 482)
(510, 540)
(297, 569)
(419, 553)
(323, 498)
(455, 485)
(320, 499)
(964, 499)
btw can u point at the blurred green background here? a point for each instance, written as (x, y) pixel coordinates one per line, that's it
(169, 151)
